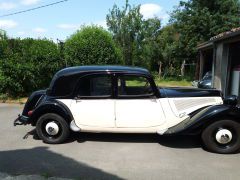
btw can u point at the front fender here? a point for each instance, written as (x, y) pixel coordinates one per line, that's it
(197, 122)
(51, 107)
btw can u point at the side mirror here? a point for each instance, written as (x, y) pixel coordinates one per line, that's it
(231, 100)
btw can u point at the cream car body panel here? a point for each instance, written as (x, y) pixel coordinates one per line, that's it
(95, 113)
(147, 116)
(139, 113)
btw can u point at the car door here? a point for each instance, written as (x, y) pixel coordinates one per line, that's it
(136, 104)
(93, 105)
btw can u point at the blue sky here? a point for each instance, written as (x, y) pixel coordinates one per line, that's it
(61, 20)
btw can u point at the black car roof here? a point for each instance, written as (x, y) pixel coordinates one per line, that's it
(84, 69)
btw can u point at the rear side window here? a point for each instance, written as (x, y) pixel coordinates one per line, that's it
(63, 86)
(130, 85)
(95, 86)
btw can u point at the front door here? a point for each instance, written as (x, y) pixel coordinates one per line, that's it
(136, 105)
(93, 105)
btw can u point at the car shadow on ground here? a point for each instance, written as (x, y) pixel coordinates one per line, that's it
(181, 141)
(168, 141)
(41, 161)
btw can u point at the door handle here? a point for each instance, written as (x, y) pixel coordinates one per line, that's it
(77, 99)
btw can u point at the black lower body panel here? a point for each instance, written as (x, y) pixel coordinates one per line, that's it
(183, 127)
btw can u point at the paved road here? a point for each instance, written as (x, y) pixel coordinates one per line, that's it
(109, 156)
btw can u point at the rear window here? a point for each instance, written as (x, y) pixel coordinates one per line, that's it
(64, 86)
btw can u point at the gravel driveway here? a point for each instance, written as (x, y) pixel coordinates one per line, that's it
(108, 156)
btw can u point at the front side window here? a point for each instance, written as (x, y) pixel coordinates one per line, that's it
(130, 85)
(95, 86)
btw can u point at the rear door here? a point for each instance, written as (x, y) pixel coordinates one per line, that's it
(94, 105)
(136, 105)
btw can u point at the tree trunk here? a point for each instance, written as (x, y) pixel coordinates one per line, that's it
(160, 69)
(183, 68)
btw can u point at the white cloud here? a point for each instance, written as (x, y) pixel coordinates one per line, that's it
(29, 2)
(7, 24)
(7, 5)
(39, 30)
(69, 26)
(151, 10)
(21, 33)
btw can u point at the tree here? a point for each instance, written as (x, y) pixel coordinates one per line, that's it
(168, 40)
(91, 45)
(3, 42)
(126, 25)
(133, 34)
(198, 20)
(3, 34)
(150, 51)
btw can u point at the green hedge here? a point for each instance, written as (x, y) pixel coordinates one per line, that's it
(27, 65)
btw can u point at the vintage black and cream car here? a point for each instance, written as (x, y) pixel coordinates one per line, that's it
(120, 99)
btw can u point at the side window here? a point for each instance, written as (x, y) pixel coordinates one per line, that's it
(129, 85)
(95, 86)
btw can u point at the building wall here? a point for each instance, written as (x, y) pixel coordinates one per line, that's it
(226, 57)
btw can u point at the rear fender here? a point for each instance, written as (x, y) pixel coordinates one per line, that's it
(51, 107)
(32, 101)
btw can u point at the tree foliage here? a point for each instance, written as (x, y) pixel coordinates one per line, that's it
(198, 20)
(91, 45)
(133, 34)
(168, 40)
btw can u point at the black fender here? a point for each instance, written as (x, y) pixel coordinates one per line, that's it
(32, 101)
(202, 118)
(51, 106)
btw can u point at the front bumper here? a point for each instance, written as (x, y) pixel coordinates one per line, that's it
(21, 120)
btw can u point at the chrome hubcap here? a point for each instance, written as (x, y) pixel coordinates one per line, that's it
(223, 136)
(52, 128)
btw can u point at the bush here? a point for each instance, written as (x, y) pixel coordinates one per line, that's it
(28, 66)
(91, 45)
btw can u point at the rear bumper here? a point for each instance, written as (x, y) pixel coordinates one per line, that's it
(21, 120)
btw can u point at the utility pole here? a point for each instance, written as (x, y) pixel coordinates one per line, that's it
(61, 47)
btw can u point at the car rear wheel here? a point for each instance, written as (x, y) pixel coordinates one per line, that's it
(52, 128)
(222, 137)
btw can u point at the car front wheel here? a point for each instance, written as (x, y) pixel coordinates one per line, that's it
(52, 128)
(222, 137)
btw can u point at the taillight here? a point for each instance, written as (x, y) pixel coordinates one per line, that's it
(30, 113)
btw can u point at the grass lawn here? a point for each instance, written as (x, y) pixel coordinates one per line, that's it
(172, 83)
(18, 100)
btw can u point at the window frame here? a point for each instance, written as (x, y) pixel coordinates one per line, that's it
(76, 96)
(145, 96)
